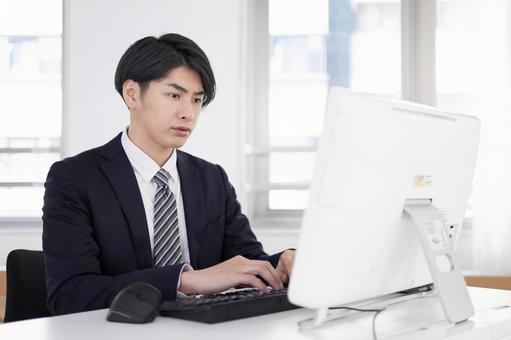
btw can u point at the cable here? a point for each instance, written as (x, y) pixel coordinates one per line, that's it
(375, 311)
(374, 323)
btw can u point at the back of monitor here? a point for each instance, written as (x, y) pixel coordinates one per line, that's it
(373, 156)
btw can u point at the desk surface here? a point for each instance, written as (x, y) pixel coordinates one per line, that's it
(415, 319)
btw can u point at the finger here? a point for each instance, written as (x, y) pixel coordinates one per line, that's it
(276, 274)
(282, 269)
(283, 276)
(287, 261)
(288, 264)
(252, 280)
(268, 273)
(258, 268)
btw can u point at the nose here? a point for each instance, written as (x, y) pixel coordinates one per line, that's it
(186, 112)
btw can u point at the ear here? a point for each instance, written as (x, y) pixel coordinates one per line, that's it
(131, 94)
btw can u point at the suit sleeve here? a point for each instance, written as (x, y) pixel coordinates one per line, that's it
(239, 238)
(74, 277)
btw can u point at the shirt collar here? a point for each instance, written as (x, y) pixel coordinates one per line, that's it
(144, 164)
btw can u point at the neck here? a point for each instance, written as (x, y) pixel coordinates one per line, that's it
(157, 153)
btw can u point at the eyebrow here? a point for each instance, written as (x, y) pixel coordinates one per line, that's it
(182, 89)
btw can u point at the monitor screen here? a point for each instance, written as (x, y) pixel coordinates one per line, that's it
(374, 156)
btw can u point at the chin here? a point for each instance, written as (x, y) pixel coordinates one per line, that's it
(174, 144)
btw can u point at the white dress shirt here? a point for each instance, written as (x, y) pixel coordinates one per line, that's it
(145, 169)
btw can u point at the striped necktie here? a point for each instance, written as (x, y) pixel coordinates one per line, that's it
(167, 248)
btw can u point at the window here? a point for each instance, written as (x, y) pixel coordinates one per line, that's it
(355, 44)
(456, 55)
(30, 93)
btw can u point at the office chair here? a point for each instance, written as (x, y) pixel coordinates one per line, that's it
(26, 286)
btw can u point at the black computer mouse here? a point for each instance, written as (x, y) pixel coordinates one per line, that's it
(137, 303)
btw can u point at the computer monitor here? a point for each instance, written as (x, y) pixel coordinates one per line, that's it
(374, 156)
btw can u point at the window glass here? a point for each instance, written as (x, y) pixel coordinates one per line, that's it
(354, 44)
(456, 55)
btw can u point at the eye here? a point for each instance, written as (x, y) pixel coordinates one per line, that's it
(197, 100)
(172, 95)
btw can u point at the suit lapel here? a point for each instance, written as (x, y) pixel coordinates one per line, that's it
(191, 189)
(117, 168)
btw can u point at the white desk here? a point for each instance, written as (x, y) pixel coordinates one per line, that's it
(419, 319)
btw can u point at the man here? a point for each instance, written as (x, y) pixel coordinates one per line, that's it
(137, 209)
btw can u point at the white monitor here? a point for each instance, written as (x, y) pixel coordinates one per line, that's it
(374, 155)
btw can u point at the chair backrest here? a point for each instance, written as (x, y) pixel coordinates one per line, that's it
(26, 286)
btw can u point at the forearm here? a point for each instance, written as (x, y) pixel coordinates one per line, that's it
(93, 291)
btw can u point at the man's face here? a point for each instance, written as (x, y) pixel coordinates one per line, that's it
(169, 108)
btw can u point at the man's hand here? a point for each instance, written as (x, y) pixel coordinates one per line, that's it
(285, 265)
(231, 273)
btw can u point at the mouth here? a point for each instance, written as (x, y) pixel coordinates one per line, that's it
(182, 131)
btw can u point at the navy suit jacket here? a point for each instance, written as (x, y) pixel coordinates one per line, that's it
(95, 235)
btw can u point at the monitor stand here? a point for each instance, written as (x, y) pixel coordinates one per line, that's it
(448, 280)
(445, 270)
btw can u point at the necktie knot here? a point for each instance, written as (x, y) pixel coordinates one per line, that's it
(162, 177)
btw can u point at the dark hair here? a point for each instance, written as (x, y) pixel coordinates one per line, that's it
(152, 58)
